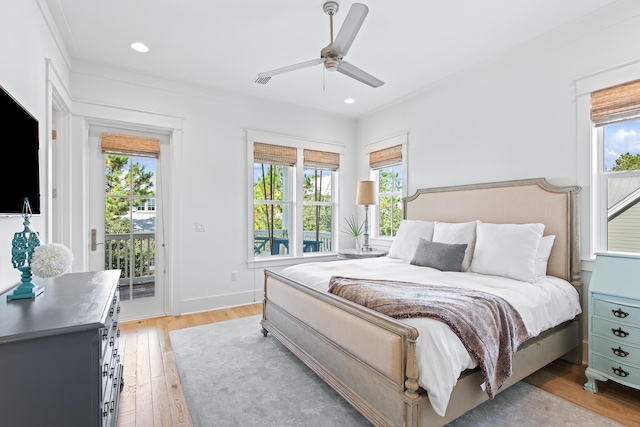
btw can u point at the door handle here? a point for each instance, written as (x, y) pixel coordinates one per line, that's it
(93, 240)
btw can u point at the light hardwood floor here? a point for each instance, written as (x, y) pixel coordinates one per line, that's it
(153, 397)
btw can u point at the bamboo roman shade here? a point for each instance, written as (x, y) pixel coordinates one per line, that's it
(385, 157)
(274, 154)
(616, 103)
(127, 145)
(321, 160)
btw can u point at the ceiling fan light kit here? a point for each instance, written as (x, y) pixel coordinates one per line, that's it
(332, 56)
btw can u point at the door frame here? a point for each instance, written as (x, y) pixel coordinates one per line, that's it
(152, 306)
(89, 115)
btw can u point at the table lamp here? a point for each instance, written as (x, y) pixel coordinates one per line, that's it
(366, 196)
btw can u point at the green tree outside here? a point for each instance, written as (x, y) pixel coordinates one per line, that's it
(317, 218)
(269, 185)
(389, 205)
(627, 162)
(128, 186)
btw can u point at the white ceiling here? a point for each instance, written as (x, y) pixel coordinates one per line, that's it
(409, 44)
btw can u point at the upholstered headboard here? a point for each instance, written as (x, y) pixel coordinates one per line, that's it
(514, 202)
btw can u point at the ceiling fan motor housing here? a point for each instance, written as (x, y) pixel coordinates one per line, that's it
(330, 7)
(331, 63)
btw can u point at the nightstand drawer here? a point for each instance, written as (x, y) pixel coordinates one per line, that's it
(617, 312)
(616, 351)
(615, 370)
(616, 331)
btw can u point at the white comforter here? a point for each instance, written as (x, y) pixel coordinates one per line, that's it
(441, 355)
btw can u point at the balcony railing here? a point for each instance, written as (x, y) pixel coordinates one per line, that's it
(262, 246)
(118, 255)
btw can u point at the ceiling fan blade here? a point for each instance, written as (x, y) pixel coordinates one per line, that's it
(349, 29)
(263, 78)
(356, 73)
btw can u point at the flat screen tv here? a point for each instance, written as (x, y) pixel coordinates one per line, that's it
(20, 171)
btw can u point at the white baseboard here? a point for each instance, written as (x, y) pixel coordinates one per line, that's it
(198, 305)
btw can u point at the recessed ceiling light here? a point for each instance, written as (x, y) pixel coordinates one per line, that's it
(349, 101)
(139, 47)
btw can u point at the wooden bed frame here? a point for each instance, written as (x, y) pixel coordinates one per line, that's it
(370, 359)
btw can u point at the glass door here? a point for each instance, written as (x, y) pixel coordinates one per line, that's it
(124, 219)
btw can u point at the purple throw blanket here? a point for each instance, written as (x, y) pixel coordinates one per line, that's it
(489, 327)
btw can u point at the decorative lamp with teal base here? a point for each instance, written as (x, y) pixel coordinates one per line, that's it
(22, 247)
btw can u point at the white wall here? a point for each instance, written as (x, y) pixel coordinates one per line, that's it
(512, 117)
(26, 43)
(212, 185)
(213, 182)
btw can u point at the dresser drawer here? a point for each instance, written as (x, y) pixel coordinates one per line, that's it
(615, 370)
(615, 331)
(617, 312)
(616, 351)
(109, 368)
(110, 332)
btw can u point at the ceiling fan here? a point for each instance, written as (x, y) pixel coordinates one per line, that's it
(332, 55)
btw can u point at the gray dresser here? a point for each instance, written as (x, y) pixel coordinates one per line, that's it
(59, 359)
(614, 321)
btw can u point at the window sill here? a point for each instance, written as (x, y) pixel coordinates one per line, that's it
(280, 261)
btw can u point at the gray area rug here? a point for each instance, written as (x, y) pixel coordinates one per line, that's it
(233, 376)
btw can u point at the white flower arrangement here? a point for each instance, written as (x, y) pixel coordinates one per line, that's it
(51, 260)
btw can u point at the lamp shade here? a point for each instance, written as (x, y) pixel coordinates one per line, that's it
(366, 194)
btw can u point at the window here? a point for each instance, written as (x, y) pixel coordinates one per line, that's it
(317, 204)
(293, 199)
(388, 171)
(616, 113)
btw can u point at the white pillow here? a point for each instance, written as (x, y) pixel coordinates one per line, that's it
(408, 236)
(457, 233)
(542, 257)
(507, 250)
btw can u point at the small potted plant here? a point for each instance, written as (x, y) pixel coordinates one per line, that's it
(353, 228)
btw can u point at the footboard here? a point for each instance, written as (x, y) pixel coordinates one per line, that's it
(366, 357)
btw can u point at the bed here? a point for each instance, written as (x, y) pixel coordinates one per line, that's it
(379, 364)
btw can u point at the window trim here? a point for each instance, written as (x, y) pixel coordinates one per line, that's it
(300, 144)
(401, 139)
(588, 153)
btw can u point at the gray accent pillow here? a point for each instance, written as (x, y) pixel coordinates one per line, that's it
(443, 256)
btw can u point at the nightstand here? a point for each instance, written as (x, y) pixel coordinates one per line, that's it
(614, 321)
(353, 254)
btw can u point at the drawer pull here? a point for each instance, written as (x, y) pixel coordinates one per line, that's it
(619, 352)
(620, 313)
(620, 372)
(105, 370)
(619, 332)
